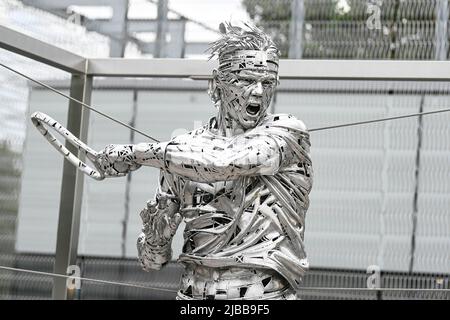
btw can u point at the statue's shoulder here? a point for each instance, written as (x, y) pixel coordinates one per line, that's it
(189, 136)
(283, 120)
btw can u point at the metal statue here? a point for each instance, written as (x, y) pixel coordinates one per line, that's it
(241, 183)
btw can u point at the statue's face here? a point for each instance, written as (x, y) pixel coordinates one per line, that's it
(246, 95)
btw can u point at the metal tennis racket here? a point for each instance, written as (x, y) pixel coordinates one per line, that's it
(41, 120)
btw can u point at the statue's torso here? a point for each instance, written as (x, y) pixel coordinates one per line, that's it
(253, 222)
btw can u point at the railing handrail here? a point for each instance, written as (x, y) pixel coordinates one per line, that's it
(30, 47)
(27, 46)
(289, 69)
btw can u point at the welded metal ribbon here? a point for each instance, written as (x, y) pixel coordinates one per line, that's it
(40, 119)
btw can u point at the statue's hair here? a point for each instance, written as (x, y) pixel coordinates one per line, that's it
(235, 38)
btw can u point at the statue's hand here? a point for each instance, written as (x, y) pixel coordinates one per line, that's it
(161, 218)
(116, 160)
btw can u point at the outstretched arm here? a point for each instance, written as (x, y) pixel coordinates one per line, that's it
(205, 158)
(160, 221)
(209, 158)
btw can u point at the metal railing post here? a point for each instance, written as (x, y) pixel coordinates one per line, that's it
(71, 188)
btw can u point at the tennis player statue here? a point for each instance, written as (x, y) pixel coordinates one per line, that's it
(241, 183)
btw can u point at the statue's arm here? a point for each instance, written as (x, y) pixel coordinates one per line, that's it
(206, 158)
(160, 221)
(201, 159)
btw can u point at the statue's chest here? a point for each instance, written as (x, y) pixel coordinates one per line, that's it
(226, 197)
(201, 194)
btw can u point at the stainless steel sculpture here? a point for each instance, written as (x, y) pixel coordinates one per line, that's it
(241, 183)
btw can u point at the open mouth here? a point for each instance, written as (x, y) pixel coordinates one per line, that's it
(253, 109)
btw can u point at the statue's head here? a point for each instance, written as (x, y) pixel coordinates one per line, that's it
(247, 75)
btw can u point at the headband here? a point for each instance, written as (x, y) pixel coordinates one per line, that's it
(249, 60)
